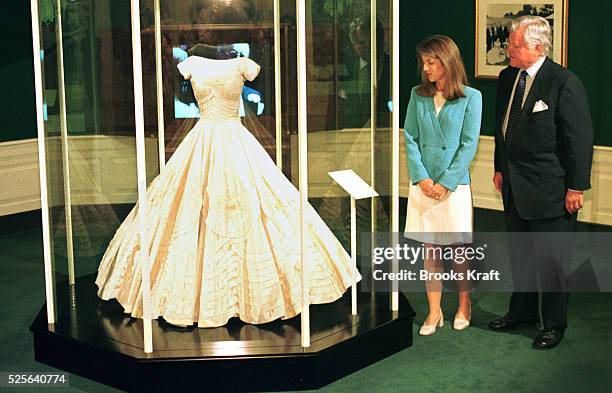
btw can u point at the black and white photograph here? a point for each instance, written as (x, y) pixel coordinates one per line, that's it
(492, 21)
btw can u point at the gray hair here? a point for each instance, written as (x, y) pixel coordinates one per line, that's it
(536, 31)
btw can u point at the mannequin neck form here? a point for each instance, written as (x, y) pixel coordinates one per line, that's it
(219, 52)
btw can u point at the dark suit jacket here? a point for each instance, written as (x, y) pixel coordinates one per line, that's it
(551, 150)
(357, 106)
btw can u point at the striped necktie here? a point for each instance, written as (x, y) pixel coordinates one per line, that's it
(516, 107)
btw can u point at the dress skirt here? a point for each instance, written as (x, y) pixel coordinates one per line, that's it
(224, 229)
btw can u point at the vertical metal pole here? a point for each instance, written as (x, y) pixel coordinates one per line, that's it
(160, 88)
(395, 145)
(59, 37)
(94, 71)
(354, 255)
(373, 119)
(336, 68)
(303, 163)
(142, 175)
(42, 162)
(373, 96)
(278, 109)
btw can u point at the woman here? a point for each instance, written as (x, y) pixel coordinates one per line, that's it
(442, 128)
(497, 54)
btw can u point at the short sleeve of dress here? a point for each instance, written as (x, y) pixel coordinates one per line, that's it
(185, 67)
(249, 68)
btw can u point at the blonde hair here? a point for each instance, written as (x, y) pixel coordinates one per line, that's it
(444, 49)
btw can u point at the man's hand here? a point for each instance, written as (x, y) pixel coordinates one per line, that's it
(498, 181)
(574, 200)
(425, 186)
(437, 191)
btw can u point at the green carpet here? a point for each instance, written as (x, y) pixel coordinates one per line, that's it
(475, 360)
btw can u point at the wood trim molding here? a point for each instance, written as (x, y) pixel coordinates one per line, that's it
(103, 171)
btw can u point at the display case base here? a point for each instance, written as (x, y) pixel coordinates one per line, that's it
(95, 339)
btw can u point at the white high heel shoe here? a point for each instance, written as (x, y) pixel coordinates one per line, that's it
(428, 330)
(461, 323)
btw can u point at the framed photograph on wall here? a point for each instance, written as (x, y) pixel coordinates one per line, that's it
(492, 17)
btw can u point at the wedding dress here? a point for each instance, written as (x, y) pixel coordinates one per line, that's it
(223, 222)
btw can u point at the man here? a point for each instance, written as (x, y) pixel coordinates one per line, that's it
(356, 93)
(543, 155)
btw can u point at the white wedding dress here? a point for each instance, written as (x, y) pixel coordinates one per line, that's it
(223, 224)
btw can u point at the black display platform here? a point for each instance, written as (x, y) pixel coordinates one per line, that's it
(94, 339)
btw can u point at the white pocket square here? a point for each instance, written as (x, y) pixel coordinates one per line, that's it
(539, 106)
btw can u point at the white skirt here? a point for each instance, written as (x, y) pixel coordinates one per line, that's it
(447, 221)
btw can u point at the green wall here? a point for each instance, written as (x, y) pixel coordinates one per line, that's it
(589, 52)
(17, 112)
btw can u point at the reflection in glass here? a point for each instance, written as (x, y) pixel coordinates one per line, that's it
(340, 103)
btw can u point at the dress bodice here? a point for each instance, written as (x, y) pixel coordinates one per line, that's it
(217, 84)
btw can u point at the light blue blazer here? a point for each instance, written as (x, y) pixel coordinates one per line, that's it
(442, 147)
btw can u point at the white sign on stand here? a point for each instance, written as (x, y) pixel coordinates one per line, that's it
(357, 188)
(353, 184)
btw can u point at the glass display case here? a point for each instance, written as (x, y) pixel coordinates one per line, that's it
(114, 109)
